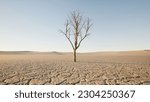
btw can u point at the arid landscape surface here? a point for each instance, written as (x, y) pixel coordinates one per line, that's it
(54, 68)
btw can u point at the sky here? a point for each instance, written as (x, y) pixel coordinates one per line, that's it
(33, 25)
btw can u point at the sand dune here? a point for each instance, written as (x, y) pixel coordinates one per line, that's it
(121, 53)
(103, 68)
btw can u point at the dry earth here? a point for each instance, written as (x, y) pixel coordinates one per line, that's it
(104, 68)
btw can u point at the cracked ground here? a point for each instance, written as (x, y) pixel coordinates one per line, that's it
(58, 69)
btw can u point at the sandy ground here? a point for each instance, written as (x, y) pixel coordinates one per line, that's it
(99, 68)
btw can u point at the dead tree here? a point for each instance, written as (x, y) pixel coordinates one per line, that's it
(76, 30)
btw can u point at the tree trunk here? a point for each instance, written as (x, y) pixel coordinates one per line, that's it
(74, 55)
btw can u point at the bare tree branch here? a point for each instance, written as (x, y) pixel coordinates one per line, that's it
(67, 33)
(78, 28)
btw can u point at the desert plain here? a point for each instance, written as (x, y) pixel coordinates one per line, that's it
(56, 68)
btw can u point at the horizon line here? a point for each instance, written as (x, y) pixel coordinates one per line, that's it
(72, 51)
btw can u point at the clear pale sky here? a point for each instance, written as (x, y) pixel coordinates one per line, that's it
(34, 24)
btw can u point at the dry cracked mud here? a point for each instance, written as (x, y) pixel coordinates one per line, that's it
(60, 70)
